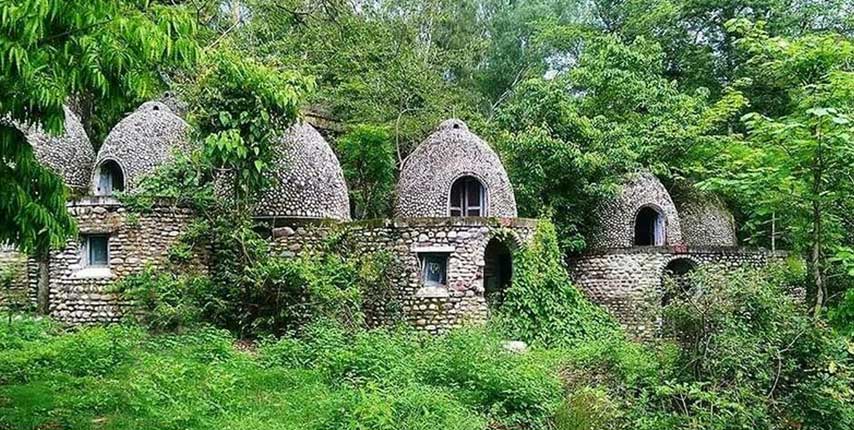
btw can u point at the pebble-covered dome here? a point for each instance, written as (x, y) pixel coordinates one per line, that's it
(309, 182)
(450, 153)
(641, 194)
(706, 221)
(71, 155)
(144, 140)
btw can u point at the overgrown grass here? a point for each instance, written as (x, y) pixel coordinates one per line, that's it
(119, 377)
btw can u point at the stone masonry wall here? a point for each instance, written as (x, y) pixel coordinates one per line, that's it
(628, 283)
(464, 240)
(136, 240)
(14, 261)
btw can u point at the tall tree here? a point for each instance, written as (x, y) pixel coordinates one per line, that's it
(111, 51)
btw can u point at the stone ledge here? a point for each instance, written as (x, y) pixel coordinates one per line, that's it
(681, 250)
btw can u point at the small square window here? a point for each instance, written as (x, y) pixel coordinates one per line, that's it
(96, 250)
(434, 270)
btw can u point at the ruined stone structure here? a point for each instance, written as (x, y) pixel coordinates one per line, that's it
(642, 239)
(451, 241)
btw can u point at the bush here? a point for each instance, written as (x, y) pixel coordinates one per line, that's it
(164, 301)
(542, 306)
(841, 315)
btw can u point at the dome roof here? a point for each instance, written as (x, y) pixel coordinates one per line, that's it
(451, 152)
(144, 140)
(71, 155)
(706, 221)
(309, 182)
(616, 217)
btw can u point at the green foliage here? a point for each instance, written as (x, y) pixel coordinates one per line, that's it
(749, 356)
(368, 160)
(106, 51)
(542, 306)
(841, 314)
(238, 107)
(186, 181)
(164, 301)
(118, 378)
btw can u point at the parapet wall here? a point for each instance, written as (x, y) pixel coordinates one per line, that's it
(463, 240)
(629, 282)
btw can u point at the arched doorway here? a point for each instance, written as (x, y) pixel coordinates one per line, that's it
(468, 197)
(109, 179)
(497, 272)
(676, 278)
(649, 227)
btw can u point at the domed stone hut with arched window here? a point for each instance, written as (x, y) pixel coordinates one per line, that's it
(136, 146)
(644, 245)
(454, 173)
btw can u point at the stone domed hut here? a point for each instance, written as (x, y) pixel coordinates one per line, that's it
(71, 156)
(642, 214)
(706, 221)
(308, 179)
(139, 143)
(643, 240)
(454, 162)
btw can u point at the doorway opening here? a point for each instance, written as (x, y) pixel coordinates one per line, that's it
(497, 272)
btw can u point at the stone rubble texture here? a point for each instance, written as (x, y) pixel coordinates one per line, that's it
(706, 221)
(616, 216)
(452, 151)
(144, 140)
(71, 155)
(308, 179)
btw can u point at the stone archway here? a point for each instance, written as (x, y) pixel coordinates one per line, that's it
(497, 272)
(676, 278)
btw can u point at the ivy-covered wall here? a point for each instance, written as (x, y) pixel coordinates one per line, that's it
(463, 240)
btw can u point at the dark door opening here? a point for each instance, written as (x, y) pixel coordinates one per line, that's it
(649, 228)
(677, 279)
(497, 272)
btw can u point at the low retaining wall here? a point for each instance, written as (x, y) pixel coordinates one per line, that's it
(629, 282)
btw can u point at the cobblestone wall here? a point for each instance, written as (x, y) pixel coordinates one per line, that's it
(13, 261)
(463, 240)
(80, 294)
(629, 282)
(706, 221)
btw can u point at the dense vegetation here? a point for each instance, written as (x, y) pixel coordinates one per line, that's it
(752, 101)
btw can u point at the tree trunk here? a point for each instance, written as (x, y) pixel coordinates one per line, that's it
(817, 251)
(43, 286)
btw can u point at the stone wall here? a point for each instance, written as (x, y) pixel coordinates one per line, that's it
(706, 221)
(629, 282)
(14, 261)
(80, 294)
(463, 240)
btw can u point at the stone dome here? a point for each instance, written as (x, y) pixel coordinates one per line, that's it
(450, 153)
(71, 156)
(706, 221)
(142, 141)
(308, 179)
(643, 207)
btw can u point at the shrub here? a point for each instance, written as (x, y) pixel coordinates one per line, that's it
(164, 301)
(542, 306)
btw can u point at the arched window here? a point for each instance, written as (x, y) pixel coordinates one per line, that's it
(110, 179)
(468, 197)
(649, 227)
